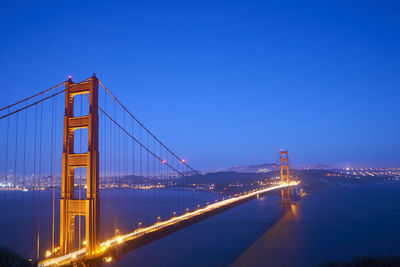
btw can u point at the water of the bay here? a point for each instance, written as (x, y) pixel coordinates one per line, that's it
(334, 225)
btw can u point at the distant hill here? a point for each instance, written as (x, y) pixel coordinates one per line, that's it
(263, 168)
(311, 180)
(229, 177)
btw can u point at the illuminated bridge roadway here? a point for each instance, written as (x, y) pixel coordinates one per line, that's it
(117, 246)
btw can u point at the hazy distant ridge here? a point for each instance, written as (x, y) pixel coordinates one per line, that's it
(262, 168)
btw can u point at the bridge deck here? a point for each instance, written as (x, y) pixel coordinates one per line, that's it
(124, 243)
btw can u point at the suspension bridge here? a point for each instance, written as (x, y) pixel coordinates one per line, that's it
(83, 181)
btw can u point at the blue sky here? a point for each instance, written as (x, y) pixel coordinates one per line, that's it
(225, 83)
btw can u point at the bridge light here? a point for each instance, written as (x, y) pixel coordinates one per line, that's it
(84, 243)
(69, 77)
(48, 253)
(164, 162)
(187, 209)
(174, 213)
(119, 240)
(158, 218)
(140, 224)
(73, 256)
(182, 160)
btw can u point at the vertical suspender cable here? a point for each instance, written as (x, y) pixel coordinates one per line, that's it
(51, 172)
(118, 158)
(123, 196)
(34, 184)
(154, 174)
(115, 166)
(183, 194)
(178, 192)
(40, 173)
(148, 179)
(110, 173)
(23, 174)
(100, 164)
(141, 175)
(104, 201)
(163, 181)
(14, 182)
(161, 178)
(134, 190)
(101, 151)
(6, 164)
(54, 173)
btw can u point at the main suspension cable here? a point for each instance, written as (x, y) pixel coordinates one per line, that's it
(30, 105)
(197, 172)
(38, 94)
(137, 141)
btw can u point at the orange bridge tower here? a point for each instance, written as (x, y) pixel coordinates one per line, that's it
(70, 206)
(285, 175)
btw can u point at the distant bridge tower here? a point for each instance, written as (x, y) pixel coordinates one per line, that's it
(69, 205)
(285, 175)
